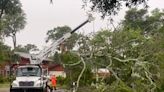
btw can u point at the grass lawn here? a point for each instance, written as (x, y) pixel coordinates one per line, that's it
(4, 85)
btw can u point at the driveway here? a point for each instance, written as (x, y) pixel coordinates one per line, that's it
(4, 89)
(7, 90)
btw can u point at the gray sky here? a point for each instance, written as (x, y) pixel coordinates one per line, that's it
(43, 16)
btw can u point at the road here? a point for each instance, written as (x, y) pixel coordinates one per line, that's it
(7, 90)
(4, 89)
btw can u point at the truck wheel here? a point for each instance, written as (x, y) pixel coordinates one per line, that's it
(11, 90)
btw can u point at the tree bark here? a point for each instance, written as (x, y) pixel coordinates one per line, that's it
(14, 40)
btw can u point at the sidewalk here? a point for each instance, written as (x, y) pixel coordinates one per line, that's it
(4, 85)
(4, 89)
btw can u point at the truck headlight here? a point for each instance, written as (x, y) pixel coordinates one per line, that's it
(14, 85)
(39, 84)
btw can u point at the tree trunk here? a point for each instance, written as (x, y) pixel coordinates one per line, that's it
(14, 40)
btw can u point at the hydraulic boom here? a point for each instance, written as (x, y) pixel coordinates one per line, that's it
(37, 59)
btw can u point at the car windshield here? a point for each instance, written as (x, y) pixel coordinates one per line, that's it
(28, 71)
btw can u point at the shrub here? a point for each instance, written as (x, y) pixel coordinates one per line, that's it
(2, 79)
(61, 80)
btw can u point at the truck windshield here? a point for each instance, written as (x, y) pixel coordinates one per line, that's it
(28, 71)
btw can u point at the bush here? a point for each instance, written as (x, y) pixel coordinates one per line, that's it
(86, 89)
(6, 79)
(61, 80)
(2, 79)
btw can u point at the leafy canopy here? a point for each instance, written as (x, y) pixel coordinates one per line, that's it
(109, 7)
(58, 32)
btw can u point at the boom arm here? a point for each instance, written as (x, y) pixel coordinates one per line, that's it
(44, 53)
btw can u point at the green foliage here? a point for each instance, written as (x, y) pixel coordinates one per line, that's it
(139, 19)
(4, 79)
(132, 54)
(10, 12)
(122, 87)
(2, 25)
(31, 47)
(61, 81)
(27, 48)
(14, 23)
(86, 89)
(58, 32)
(12, 19)
(9, 7)
(67, 59)
(87, 78)
(109, 7)
(57, 57)
(135, 19)
(4, 52)
(20, 48)
(123, 45)
(71, 60)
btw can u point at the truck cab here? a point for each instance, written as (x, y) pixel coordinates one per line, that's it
(29, 78)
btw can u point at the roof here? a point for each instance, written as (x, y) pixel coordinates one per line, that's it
(34, 66)
(101, 70)
(27, 55)
(22, 54)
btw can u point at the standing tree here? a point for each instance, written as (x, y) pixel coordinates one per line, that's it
(20, 48)
(139, 19)
(58, 32)
(109, 7)
(27, 48)
(14, 23)
(31, 47)
(8, 7)
(4, 52)
(135, 19)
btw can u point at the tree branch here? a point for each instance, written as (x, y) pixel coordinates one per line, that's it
(82, 71)
(126, 60)
(73, 64)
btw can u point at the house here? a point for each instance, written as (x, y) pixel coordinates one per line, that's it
(57, 70)
(101, 72)
(24, 58)
(4, 69)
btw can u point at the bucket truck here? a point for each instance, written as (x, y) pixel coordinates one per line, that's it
(30, 77)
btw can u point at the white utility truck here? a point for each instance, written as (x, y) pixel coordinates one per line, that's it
(30, 78)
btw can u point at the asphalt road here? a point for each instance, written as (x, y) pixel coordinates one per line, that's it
(7, 90)
(4, 89)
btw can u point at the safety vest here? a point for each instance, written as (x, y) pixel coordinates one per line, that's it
(53, 81)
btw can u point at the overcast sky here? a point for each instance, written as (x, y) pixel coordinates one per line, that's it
(43, 16)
